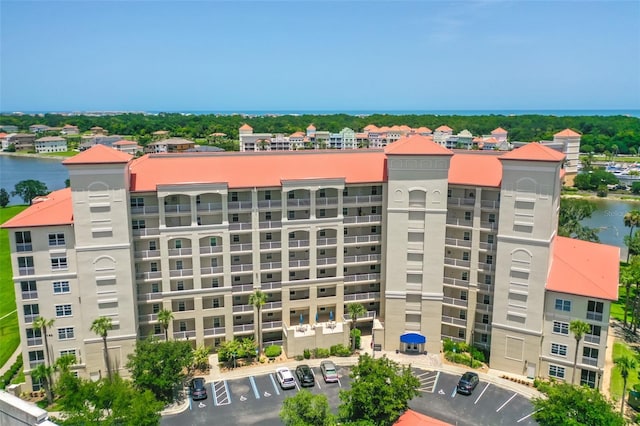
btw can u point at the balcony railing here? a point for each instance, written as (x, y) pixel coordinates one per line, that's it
(24, 247)
(458, 222)
(184, 334)
(457, 262)
(147, 317)
(455, 321)
(362, 277)
(298, 243)
(270, 224)
(211, 270)
(590, 338)
(327, 242)
(210, 249)
(486, 246)
(180, 252)
(268, 245)
(327, 201)
(147, 253)
(244, 328)
(270, 325)
(361, 199)
(362, 239)
(326, 261)
(461, 201)
(149, 296)
(149, 275)
(271, 286)
(177, 208)
(457, 242)
(242, 288)
(272, 305)
(483, 328)
(146, 232)
(455, 302)
(239, 205)
(367, 316)
(241, 247)
(456, 282)
(242, 308)
(485, 287)
(215, 331)
(239, 226)
(363, 219)
(595, 316)
(589, 361)
(488, 204)
(301, 202)
(145, 210)
(34, 341)
(34, 364)
(29, 318)
(269, 204)
(483, 307)
(209, 207)
(372, 295)
(27, 271)
(488, 225)
(270, 265)
(486, 266)
(242, 267)
(181, 272)
(363, 258)
(28, 295)
(298, 263)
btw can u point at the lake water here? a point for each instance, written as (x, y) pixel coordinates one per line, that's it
(15, 169)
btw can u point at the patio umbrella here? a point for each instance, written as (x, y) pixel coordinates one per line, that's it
(317, 317)
(301, 319)
(330, 315)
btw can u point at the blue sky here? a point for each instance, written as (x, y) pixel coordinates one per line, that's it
(312, 56)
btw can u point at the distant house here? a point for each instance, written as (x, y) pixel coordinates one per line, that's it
(9, 128)
(169, 145)
(4, 144)
(91, 140)
(69, 129)
(130, 147)
(39, 128)
(21, 141)
(51, 144)
(97, 130)
(160, 134)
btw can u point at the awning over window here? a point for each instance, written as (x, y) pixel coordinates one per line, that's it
(413, 338)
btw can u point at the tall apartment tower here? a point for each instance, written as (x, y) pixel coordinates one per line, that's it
(529, 203)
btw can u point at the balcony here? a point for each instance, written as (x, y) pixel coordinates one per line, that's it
(242, 308)
(270, 266)
(326, 261)
(238, 205)
(488, 204)
(456, 262)
(270, 224)
(362, 199)
(372, 218)
(590, 361)
(177, 208)
(240, 226)
(298, 243)
(146, 232)
(28, 295)
(372, 295)
(180, 252)
(268, 204)
(181, 273)
(149, 296)
(487, 246)
(247, 267)
(590, 338)
(326, 242)
(244, 328)
(215, 331)
(271, 286)
(453, 201)
(272, 305)
(365, 258)
(241, 247)
(301, 202)
(271, 245)
(456, 242)
(456, 282)
(362, 239)
(145, 210)
(487, 288)
(26, 271)
(34, 341)
(144, 254)
(483, 307)
(299, 263)
(211, 270)
(369, 315)
(147, 317)
(488, 225)
(271, 325)
(329, 201)
(210, 249)
(459, 222)
(190, 334)
(242, 288)
(482, 328)
(148, 275)
(362, 277)
(487, 267)
(594, 316)
(454, 321)
(209, 207)
(454, 302)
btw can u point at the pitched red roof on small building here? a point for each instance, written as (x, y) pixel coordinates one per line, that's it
(534, 151)
(413, 418)
(311, 127)
(416, 145)
(53, 209)
(99, 154)
(584, 269)
(124, 143)
(246, 127)
(567, 133)
(444, 128)
(499, 130)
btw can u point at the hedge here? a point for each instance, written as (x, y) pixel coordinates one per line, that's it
(11, 372)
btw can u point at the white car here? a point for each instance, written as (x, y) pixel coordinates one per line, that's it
(285, 378)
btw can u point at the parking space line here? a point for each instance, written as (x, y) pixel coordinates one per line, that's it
(455, 391)
(190, 405)
(297, 387)
(506, 402)
(527, 416)
(482, 393)
(273, 382)
(226, 387)
(255, 388)
(315, 378)
(213, 392)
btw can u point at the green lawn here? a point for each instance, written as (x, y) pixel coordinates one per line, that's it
(61, 154)
(9, 333)
(619, 349)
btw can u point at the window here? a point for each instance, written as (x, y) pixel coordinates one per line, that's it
(137, 202)
(56, 239)
(215, 282)
(322, 252)
(23, 241)
(484, 338)
(291, 214)
(29, 289)
(560, 327)
(594, 310)
(154, 266)
(155, 288)
(466, 236)
(486, 299)
(178, 244)
(465, 255)
(322, 213)
(291, 195)
(65, 333)
(467, 216)
(235, 238)
(492, 218)
(63, 311)
(292, 235)
(487, 279)
(558, 349)
(58, 263)
(374, 229)
(213, 241)
(267, 216)
(374, 210)
(155, 308)
(322, 194)
(138, 224)
(234, 196)
(197, 199)
(34, 336)
(374, 190)
(182, 307)
(563, 305)
(465, 276)
(267, 195)
(183, 326)
(345, 211)
(71, 352)
(268, 236)
(36, 358)
(61, 287)
(590, 353)
(216, 303)
(31, 312)
(157, 329)
(345, 192)
(25, 263)
(485, 318)
(323, 233)
(463, 294)
(180, 285)
(448, 193)
(179, 265)
(489, 259)
(234, 217)
(490, 238)
(588, 378)
(556, 371)
(346, 231)
(152, 245)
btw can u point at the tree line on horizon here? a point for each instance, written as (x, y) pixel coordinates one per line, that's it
(599, 133)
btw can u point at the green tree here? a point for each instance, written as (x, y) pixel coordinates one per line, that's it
(201, 358)
(160, 366)
(572, 212)
(629, 274)
(42, 324)
(380, 391)
(43, 373)
(165, 317)
(635, 188)
(631, 220)
(4, 198)
(29, 189)
(579, 329)
(355, 310)
(305, 409)
(101, 326)
(565, 404)
(625, 364)
(258, 299)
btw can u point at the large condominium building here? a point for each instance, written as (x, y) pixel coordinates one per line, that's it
(434, 244)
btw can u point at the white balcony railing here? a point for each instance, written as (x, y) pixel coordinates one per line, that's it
(181, 272)
(177, 208)
(298, 243)
(271, 286)
(363, 258)
(180, 252)
(455, 302)
(210, 207)
(268, 245)
(241, 247)
(215, 331)
(455, 321)
(326, 242)
(361, 199)
(242, 268)
(211, 270)
(362, 277)
(457, 242)
(143, 254)
(456, 262)
(244, 328)
(458, 222)
(242, 308)
(210, 249)
(239, 205)
(456, 282)
(189, 334)
(270, 224)
(145, 210)
(363, 219)
(28, 295)
(372, 295)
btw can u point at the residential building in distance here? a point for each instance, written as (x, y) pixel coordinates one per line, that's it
(69, 129)
(50, 144)
(9, 128)
(39, 128)
(128, 147)
(23, 142)
(434, 243)
(169, 145)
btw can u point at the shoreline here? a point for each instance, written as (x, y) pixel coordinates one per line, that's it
(593, 197)
(31, 155)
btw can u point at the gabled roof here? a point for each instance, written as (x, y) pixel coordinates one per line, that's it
(124, 142)
(475, 169)
(99, 154)
(444, 128)
(423, 130)
(567, 133)
(55, 209)
(534, 151)
(173, 141)
(311, 127)
(413, 418)
(416, 145)
(246, 127)
(50, 139)
(498, 130)
(584, 269)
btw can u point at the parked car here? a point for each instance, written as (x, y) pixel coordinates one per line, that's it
(329, 372)
(285, 378)
(468, 382)
(198, 389)
(305, 375)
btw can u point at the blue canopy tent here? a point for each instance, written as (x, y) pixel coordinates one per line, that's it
(413, 338)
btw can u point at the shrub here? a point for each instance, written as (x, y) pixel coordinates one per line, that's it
(299, 357)
(272, 351)
(321, 353)
(340, 350)
(11, 372)
(306, 354)
(355, 334)
(477, 354)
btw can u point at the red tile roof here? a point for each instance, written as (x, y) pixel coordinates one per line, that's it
(534, 151)
(55, 209)
(99, 154)
(412, 418)
(246, 127)
(3, 135)
(498, 130)
(416, 145)
(475, 169)
(124, 142)
(444, 129)
(423, 130)
(567, 133)
(310, 127)
(584, 269)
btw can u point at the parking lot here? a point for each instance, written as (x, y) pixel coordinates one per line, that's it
(258, 400)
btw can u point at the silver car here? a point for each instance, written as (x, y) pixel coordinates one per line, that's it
(329, 372)
(285, 378)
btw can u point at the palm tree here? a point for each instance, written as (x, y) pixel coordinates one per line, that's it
(101, 327)
(258, 299)
(355, 310)
(165, 317)
(626, 365)
(43, 372)
(42, 324)
(579, 329)
(631, 220)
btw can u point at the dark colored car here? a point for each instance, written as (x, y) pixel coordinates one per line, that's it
(468, 382)
(198, 389)
(305, 376)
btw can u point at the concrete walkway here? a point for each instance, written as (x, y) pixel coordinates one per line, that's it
(426, 362)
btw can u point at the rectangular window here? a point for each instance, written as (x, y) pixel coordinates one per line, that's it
(595, 310)
(65, 333)
(157, 329)
(589, 352)
(563, 305)
(216, 303)
(485, 318)
(345, 211)
(56, 239)
(490, 238)
(155, 308)
(61, 287)
(179, 265)
(29, 290)
(322, 194)
(180, 285)
(235, 238)
(138, 224)
(588, 378)
(215, 282)
(31, 312)
(556, 371)
(198, 199)
(374, 229)
(213, 241)
(466, 236)
(267, 216)
(25, 263)
(558, 349)
(267, 195)
(465, 255)
(63, 311)
(291, 195)
(489, 259)
(465, 276)
(487, 279)
(291, 214)
(560, 327)
(448, 193)
(486, 299)
(137, 202)
(36, 358)
(152, 245)
(374, 190)
(71, 352)
(268, 236)
(467, 216)
(374, 210)
(153, 266)
(492, 218)
(234, 217)
(23, 241)
(58, 263)
(463, 295)
(178, 244)
(182, 307)
(155, 288)
(322, 213)
(234, 196)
